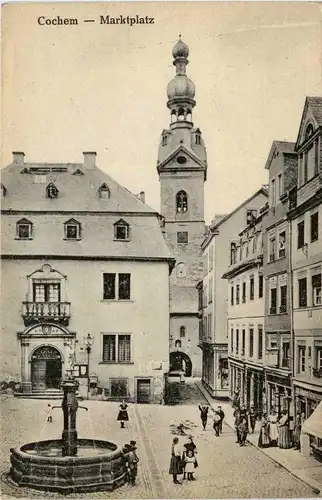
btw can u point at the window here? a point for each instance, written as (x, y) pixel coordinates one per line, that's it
(121, 230)
(260, 342)
(205, 296)
(318, 359)
(273, 193)
(316, 290)
(51, 191)
(237, 340)
(117, 348)
(279, 185)
(178, 344)
(305, 172)
(78, 172)
(46, 292)
(301, 359)
(182, 202)
(104, 191)
(120, 282)
(210, 292)
(24, 229)
(232, 253)
(300, 234)
(243, 341)
(260, 286)
(232, 340)
(119, 387)
(309, 131)
(244, 293)
(302, 292)
(251, 288)
(273, 301)
(72, 230)
(232, 295)
(283, 298)
(182, 331)
(251, 342)
(316, 159)
(198, 139)
(209, 325)
(182, 237)
(250, 216)
(164, 140)
(272, 249)
(237, 294)
(39, 179)
(314, 226)
(285, 355)
(281, 245)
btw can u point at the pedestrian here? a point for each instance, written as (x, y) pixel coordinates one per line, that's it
(182, 373)
(123, 415)
(222, 416)
(252, 419)
(263, 440)
(236, 399)
(273, 430)
(190, 465)
(49, 413)
(243, 431)
(284, 439)
(126, 450)
(175, 462)
(133, 461)
(216, 424)
(191, 447)
(297, 432)
(236, 424)
(203, 414)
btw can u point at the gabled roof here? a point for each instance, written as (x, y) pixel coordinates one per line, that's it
(283, 147)
(187, 151)
(314, 104)
(76, 192)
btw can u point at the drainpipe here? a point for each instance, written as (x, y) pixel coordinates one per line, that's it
(290, 267)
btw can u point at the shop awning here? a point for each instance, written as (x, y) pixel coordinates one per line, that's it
(313, 425)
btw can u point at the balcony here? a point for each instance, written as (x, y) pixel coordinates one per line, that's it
(37, 312)
(283, 309)
(317, 372)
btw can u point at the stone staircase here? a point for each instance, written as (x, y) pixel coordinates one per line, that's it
(47, 394)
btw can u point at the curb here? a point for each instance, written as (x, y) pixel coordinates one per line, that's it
(210, 400)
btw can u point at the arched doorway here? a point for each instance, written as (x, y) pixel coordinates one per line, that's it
(180, 361)
(46, 368)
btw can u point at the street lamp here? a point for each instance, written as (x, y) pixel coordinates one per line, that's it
(88, 341)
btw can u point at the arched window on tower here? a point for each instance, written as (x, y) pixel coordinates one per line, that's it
(177, 344)
(182, 202)
(181, 114)
(189, 115)
(182, 331)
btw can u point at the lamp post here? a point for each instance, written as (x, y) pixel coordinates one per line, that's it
(88, 341)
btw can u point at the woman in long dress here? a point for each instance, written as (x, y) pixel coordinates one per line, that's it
(273, 429)
(284, 440)
(176, 460)
(263, 440)
(123, 415)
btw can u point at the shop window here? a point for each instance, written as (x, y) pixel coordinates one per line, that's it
(116, 286)
(281, 245)
(116, 348)
(317, 290)
(182, 202)
(119, 387)
(301, 359)
(302, 284)
(314, 229)
(121, 230)
(300, 234)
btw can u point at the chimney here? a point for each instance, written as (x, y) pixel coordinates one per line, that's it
(18, 157)
(89, 159)
(142, 196)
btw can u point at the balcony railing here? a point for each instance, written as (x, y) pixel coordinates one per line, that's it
(285, 362)
(35, 312)
(282, 309)
(317, 372)
(272, 310)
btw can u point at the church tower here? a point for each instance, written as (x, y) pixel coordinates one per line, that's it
(182, 169)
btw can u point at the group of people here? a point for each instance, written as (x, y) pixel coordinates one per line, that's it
(275, 430)
(243, 421)
(183, 460)
(131, 461)
(218, 417)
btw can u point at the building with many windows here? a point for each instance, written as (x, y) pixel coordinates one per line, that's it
(182, 169)
(306, 225)
(282, 171)
(245, 314)
(82, 255)
(219, 250)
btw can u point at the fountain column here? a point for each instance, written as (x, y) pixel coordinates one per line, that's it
(69, 406)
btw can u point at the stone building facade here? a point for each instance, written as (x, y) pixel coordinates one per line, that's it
(282, 171)
(217, 250)
(182, 169)
(82, 255)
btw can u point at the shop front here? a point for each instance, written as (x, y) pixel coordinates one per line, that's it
(279, 392)
(255, 388)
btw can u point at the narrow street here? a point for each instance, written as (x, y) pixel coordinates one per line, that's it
(223, 465)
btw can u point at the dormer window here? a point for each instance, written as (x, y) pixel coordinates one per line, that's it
(78, 172)
(164, 140)
(121, 231)
(104, 191)
(3, 191)
(309, 131)
(251, 216)
(198, 139)
(24, 229)
(51, 191)
(182, 202)
(72, 230)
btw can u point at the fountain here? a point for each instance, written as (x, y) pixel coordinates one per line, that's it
(69, 465)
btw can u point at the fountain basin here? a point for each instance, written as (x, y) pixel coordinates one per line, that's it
(98, 466)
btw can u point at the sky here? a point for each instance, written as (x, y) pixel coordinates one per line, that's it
(93, 87)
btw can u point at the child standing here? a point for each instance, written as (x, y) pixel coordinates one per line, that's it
(190, 465)
(49, 413)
